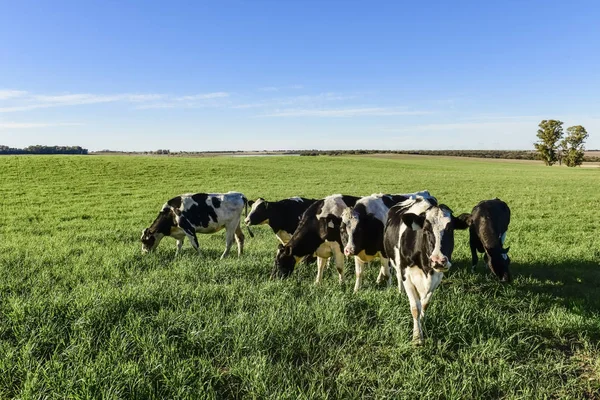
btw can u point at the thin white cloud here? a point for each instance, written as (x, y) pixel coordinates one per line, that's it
(9, 94)
(204, 96)
(344, 112)
(32, 125)
(279, 88)
(24, 101)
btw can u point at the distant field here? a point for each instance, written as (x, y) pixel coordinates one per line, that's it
(83, 314)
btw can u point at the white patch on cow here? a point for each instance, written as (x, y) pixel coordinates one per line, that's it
(253, 210)
(424, 283)
(329, 249)
(283, 236)
(439, 219)
(332, 205)
(505, 256)
(187, 202)
(297, 199)
(503, 238)
(330, 224)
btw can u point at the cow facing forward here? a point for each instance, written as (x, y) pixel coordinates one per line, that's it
(488, 223)
(419, 237)
(184, 216)
(362, 232)
(282, 216)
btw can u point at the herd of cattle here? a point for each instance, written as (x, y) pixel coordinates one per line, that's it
(412, 232)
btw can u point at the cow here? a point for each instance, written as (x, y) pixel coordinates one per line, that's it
(282, 216)
(185, 215)
(318, 233)
(419, 239)
(488, 223)
(362, 231)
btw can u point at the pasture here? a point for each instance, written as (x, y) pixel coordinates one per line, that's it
(83, 314)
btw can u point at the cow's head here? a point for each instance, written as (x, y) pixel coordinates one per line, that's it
(285, 262)
(150, 240)
(160, 228)
(498, 262)
(258, 214)
(352, 231)
(437, 226)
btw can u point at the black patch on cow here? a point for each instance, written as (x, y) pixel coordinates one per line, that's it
(283, 215)
(350, 201)
(215, 202)
(201, 214)
(391, 200)
(163, 222)
(175, 202)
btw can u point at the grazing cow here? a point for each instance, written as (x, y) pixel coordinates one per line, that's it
(488, 223)
(318, 233)
(362, 231)
(282, 216)
(184, 216)
(419, 239)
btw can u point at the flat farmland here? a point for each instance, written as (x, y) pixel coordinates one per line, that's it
(83, 314)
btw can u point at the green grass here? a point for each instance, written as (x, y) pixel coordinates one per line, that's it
(84, 315)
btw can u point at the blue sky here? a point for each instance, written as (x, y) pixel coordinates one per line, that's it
(228, 75)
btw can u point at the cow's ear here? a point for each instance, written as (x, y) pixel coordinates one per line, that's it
(466, 217)
(413, 221)
(462, 222)
(250, 202)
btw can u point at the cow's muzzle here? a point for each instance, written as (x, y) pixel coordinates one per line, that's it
(349, 251)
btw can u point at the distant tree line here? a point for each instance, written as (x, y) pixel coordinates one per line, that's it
(501, 154)
(39, 149)
(553, 146)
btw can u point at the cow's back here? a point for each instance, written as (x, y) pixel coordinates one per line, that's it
(490, 220)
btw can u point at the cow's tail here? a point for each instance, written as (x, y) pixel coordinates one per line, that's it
(246, 206)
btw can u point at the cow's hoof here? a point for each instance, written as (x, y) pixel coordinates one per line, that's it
(417, 341)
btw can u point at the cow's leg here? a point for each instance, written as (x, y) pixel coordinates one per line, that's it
(239, 238)
(396, 265)
(425, 303)
(384, 271)
(415, 310)
(474, 257)
(358, 266)
(321, 264)
(339, 263)
(193, 240)
(229, 238)
(179, 246)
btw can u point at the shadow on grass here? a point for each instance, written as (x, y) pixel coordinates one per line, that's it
(574, 284)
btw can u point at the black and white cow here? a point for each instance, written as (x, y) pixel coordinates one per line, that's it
(282, 216)
(419, 239)
(488, 223)
(318, 233)
(184, 216)
(362, 231)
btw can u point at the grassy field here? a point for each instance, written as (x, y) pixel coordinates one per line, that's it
(84, 315)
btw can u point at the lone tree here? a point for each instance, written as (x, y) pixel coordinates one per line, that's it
(549, 134)
(574, 145)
